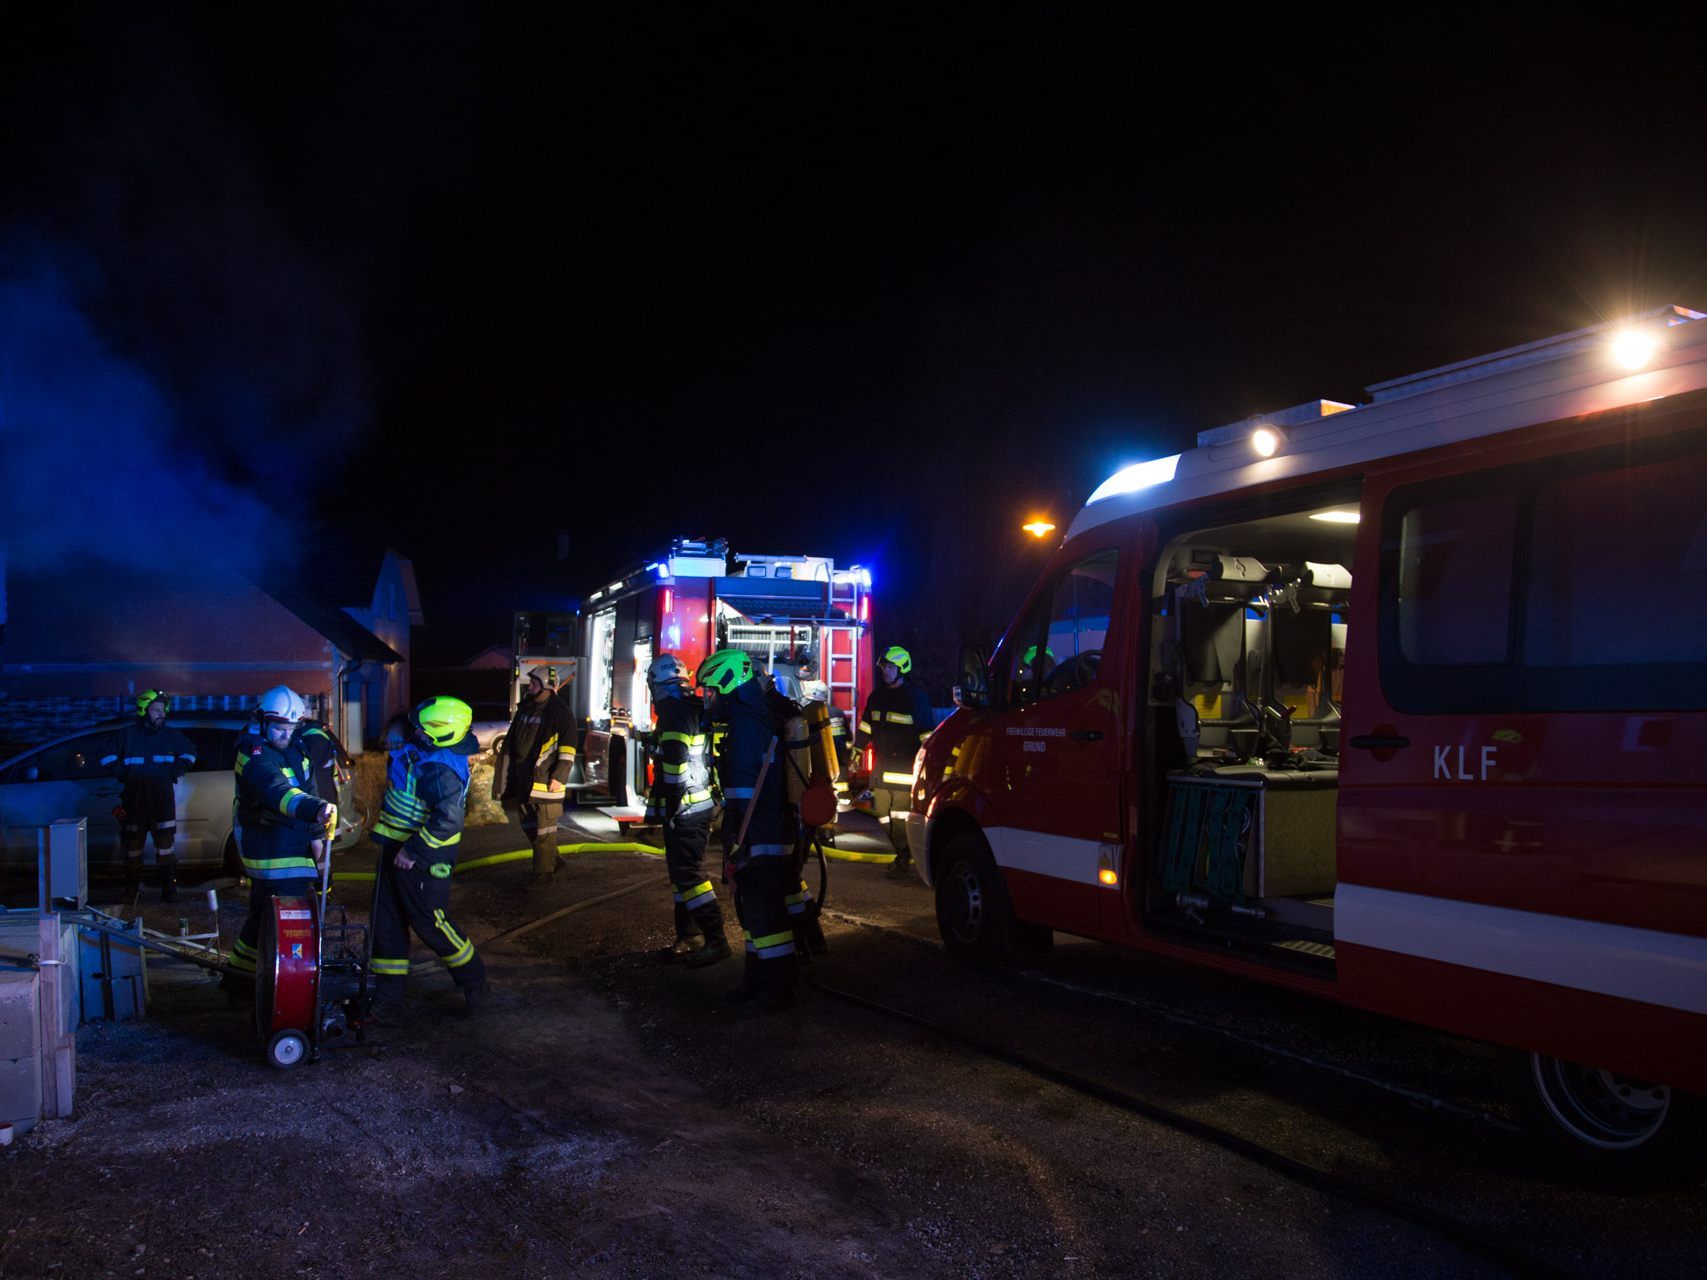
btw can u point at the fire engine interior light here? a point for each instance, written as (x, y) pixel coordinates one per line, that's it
(1267, 441)
(1335, 517)
(1634, 348)
(669, 600)
(1107, 876)
(865, 609)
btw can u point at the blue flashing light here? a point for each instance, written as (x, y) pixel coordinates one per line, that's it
(1140, 475)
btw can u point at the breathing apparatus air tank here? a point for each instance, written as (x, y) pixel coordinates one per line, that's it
(797, 746)
(826, 763)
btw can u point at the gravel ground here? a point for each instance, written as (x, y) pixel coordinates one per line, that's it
(612, 1115)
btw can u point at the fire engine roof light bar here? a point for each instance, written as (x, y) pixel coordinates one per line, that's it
(1140, 475)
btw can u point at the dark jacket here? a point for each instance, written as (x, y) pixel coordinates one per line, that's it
(681, 759)
(277, 813)
(424, 802)
(537, 754)
(896, 721)
(752, 729)
(149, 753)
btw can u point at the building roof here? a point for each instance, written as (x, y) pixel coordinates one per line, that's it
(347, 635)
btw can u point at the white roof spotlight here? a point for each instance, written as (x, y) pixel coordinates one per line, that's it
(1634, 346)
(1267, 441)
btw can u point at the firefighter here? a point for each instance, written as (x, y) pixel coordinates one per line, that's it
(278, 820)
(419, 828)
(148, 759)
(532, 769)
(680, 798)
(897, 719)
(757, 837)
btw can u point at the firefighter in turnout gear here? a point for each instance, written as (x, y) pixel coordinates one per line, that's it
(148, 758)
(757, 835)
(896, 721)
(419, 828)
(278, 817)
(680, 799)
(531, 774)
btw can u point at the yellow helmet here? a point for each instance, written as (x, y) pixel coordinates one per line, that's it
(443, 721)
(900, 657)
(148, 697)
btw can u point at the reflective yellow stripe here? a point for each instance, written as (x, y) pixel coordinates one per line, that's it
(676, 768)
(771, 939)
(865, 726)
(433, 842)
(695, 797)
(899, 779)
(900, 717)
(242, 963)
(390, 968)
(288, 799)
(391, 831)
(566, 753)
(546, 748)
(464, 948)
(691, 739)
(242, 948)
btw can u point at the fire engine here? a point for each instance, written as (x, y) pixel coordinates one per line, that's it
(1402, 704)
(800, 618)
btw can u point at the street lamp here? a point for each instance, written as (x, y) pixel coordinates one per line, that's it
(1038, 528)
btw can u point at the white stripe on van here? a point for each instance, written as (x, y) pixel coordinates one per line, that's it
(1062, 857)
(1667, 969)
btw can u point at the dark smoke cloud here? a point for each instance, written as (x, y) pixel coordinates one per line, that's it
(180, 371)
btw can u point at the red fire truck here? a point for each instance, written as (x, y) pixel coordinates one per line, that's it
(800, 617)
(1402, 704)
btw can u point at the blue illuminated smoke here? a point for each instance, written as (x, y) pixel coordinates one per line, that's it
(94, 458)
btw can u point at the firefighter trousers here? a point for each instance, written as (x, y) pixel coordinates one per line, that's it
(417, 899)
(685, 839)
(892, 806)
(247, 949)
(539, 825)
(150, 809)
(762, 886)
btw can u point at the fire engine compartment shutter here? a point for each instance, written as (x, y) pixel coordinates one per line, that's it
(805, 605)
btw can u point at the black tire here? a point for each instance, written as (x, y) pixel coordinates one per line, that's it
(1610, 1131)
(973, 913)
(286, 1049)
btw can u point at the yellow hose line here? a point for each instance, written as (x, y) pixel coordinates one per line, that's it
(525, 855)
(851, 855)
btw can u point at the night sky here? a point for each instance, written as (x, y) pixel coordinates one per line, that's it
(838, 279)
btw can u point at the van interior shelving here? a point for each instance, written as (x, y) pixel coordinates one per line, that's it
(1247, 648)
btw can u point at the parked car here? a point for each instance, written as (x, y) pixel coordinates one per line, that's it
(64, 779)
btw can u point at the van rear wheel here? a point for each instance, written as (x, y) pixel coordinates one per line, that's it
(1613, 1130)
(972, 909)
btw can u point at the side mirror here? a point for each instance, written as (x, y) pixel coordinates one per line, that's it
(972, 689)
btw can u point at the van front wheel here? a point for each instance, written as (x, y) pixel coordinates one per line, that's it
(972, 909)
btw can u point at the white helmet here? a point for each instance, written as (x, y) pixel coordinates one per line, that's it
(282, 705)
(666, 668)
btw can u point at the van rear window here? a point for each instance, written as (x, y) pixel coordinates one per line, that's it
(1577, 583)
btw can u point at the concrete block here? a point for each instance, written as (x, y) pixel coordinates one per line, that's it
(20, 1091)
(20, 1019)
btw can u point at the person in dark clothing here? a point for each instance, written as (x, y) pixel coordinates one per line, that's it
(758, 836)
(419, 828)
(531, 774)
(896, 721)
(148, 758)
(680, 799)
(278, 819)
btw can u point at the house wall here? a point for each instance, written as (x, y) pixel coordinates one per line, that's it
(386, 688)
(88, 637)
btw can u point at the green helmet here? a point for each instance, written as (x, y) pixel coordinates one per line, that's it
(148, 697)
(726, 670)
(900, 657)
(443, 721)
(1031, 654)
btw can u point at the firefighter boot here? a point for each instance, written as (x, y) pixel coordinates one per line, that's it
(687, 937)
(132, 876)
(385, 1009)
(748, 989)
(168, 879)
(816, 945)
(478, 997)
(776, 986)
(716, 948)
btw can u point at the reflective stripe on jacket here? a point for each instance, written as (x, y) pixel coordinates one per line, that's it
(681, 759)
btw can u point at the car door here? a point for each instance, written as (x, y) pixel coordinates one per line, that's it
(63, 780)
(1061, 745)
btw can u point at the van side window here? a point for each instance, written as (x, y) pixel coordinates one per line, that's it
(1574, 583)
(1060, 647)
